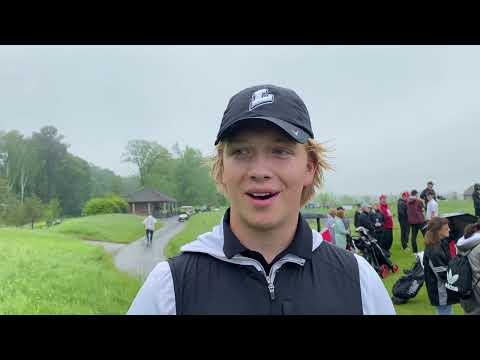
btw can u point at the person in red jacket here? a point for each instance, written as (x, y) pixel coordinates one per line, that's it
(416, 219)
(388, 225)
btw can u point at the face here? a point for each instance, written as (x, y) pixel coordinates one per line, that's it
(430, 186)
(383, 201)
(264, 173)
(444, 231)
(429, 197)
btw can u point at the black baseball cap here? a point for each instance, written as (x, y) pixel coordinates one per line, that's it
(274, 104)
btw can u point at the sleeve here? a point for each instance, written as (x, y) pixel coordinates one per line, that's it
(438, 263)
(375, 298)
(157, 295)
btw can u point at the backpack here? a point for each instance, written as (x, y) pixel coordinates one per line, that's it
(408, 286)
(459, 278)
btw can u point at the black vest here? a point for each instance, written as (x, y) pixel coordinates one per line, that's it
(327, 284)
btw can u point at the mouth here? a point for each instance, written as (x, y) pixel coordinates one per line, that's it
(262, 198)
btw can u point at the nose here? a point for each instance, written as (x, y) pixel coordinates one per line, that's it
(259, 169)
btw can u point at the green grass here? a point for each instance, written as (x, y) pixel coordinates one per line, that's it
(196, 225)
(119, 228)
(420, 305)
(49, 273)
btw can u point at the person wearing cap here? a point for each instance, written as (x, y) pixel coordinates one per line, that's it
(263, 258)
(423, 194)
(403, 219)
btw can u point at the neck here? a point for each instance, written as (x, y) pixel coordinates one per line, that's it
(268, 242)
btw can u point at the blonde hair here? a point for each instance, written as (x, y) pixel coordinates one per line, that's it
(316, 151)
(332, 212)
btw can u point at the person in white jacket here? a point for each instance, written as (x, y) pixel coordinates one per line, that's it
(149, 223)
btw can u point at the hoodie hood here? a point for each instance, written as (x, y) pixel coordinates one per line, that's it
(468, 244)
(211, 243)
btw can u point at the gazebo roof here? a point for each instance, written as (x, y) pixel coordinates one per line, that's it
(149, 195)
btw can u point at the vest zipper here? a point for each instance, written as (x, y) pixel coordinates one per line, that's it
(271, 289)
(271, 277)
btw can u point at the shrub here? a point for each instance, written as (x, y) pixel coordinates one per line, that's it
(105, 205)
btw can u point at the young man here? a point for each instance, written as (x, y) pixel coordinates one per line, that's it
(263, 258)
(416, 219)
(149, 223)
(432, 207)
(429, 188)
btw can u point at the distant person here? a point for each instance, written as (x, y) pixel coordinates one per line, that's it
(149, 223)
(330, 223)
(432, 206)
(423, 194)
(403, 219)
(358, 211)
(388, 223)
(346, 221)
(476, 199)
(469, 245)
(263, 258)
(365, 220)
(416, 219)
(378, 221)
(340, 231)
(435, 261)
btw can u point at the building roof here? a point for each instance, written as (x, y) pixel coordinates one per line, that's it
(149, 195)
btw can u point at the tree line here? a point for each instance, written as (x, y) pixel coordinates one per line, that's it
(40, 171)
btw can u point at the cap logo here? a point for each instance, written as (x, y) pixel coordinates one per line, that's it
(260, 97)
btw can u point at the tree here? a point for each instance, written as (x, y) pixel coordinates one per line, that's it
(74, 185)
(144, 154)
(51, 151)
(53, 211)
(33, 209)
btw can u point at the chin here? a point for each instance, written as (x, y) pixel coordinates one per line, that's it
(262, 223)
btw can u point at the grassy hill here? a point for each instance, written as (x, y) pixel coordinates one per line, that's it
(42, 272)
(120, 228)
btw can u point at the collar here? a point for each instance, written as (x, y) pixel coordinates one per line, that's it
(300, 246)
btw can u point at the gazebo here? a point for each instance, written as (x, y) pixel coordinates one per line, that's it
(151, 201)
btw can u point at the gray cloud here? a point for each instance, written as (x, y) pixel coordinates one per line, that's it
(396, 115)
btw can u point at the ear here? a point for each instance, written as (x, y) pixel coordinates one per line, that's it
(311, 168)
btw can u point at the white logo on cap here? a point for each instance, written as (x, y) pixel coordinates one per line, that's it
(260, 97)
(295, 132)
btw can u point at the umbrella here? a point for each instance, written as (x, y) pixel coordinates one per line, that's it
(457, 222)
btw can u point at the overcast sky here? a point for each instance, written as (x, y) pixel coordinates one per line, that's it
(396, 116)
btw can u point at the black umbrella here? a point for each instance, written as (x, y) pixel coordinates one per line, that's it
(457, 223)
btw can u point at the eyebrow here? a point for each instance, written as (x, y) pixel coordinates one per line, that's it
(280, 140)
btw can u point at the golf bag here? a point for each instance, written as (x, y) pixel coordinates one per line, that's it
(370, 249)
(408, 286)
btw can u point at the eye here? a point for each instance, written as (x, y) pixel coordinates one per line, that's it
(240, 152)
(282, 152)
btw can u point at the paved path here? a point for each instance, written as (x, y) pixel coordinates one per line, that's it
(135, 258)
